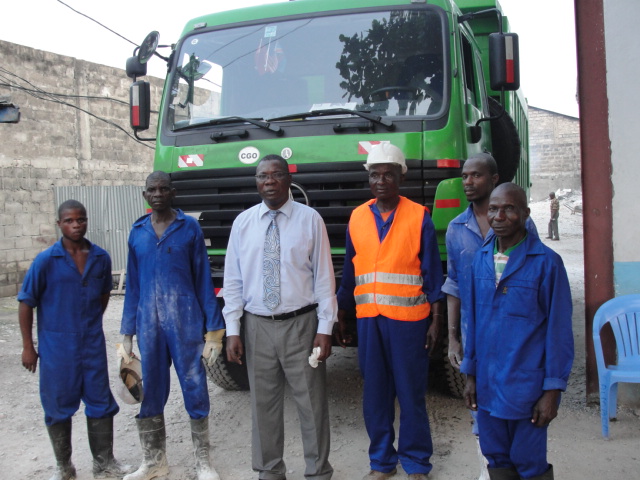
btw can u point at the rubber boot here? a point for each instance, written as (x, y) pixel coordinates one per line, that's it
(153, 440)
(60, 435)
(100, 432)
(548, 475)
(200, 437)
(503, 474)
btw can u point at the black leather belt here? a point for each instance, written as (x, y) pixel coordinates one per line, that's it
(286, 316)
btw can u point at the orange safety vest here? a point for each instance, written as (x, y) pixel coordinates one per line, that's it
(388, 276)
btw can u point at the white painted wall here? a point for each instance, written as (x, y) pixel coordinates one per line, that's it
(621, 20)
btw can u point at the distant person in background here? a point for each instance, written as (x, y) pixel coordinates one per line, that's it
(70, 284)
(555, 213)
(519, 345)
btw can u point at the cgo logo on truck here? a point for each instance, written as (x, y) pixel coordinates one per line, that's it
(249, 155)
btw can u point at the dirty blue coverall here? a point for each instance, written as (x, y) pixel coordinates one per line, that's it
(519, 344)
(169, 303)
(71, 345)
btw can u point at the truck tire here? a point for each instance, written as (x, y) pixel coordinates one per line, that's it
(455, 379)
(505, 141)
(227, 375)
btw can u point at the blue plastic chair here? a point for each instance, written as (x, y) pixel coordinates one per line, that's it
(623, 314)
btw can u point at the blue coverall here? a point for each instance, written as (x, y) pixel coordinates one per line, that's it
(71, 344)
(394, 363)
(464, 239)
(169, 303)
(519, 344)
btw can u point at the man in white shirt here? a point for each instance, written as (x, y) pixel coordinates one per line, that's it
(279, 278)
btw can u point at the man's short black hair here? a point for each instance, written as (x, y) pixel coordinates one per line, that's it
(488, 160)
(519, 195)
(277, 158)
(70, 205)
(159, 175)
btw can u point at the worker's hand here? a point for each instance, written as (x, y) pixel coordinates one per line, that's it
(127, 343)
(235, 349)
(30, 359)
(455, 352)
(469, 394)
(340, 330)
(126, 352)
(433, 334)
(213, 345)
(546, 408)
(324, 342)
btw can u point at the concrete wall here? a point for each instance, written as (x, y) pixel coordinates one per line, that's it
(554, 141)
(57, 144)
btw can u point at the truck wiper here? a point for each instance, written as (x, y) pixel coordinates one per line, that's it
(234, 119)
(337, 111)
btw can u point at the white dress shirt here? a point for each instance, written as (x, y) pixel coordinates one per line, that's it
(306, 271)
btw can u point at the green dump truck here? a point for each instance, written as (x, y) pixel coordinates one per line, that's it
(320, 82)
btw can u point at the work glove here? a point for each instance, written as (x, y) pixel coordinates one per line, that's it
(213, 345)
(125, 349)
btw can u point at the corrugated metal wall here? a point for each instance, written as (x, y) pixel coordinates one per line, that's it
(111, 212)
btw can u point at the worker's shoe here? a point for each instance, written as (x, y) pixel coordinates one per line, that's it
(417, 476)
(60, 436)
(377, 475)
(503, 474)
(153, 439)
(548, 475)
(100, 433)
(200, 437)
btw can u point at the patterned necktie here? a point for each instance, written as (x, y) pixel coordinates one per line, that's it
(271, 264)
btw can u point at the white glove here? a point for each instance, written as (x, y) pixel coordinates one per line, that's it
(213, 346)
(313, 358)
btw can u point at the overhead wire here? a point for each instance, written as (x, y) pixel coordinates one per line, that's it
(49, 96)
(52, 97)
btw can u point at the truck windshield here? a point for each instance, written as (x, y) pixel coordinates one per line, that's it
(387, 63)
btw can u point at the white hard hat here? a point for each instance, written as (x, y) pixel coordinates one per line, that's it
(129, 388)
(386, 153)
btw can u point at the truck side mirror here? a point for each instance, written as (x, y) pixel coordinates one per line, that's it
(135, 69)
(140, 105)
(504, 61)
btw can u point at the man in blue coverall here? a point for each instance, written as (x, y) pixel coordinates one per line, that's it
(519, 345)
(392, 276)
(169, 302)
(465, 235)
(72, 351)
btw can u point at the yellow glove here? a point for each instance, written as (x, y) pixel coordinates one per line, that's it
(213, 345)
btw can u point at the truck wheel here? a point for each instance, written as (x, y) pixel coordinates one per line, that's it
(505, 141)
(227, 375)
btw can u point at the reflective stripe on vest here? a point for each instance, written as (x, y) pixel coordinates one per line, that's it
(388, 274)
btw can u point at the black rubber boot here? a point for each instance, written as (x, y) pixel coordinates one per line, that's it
(60, 435)
(100, 432)
(503, 474)
(200, 437)
(153, 439)
(548, 475)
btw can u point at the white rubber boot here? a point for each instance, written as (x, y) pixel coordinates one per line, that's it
(200, 437)
(153, 440)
